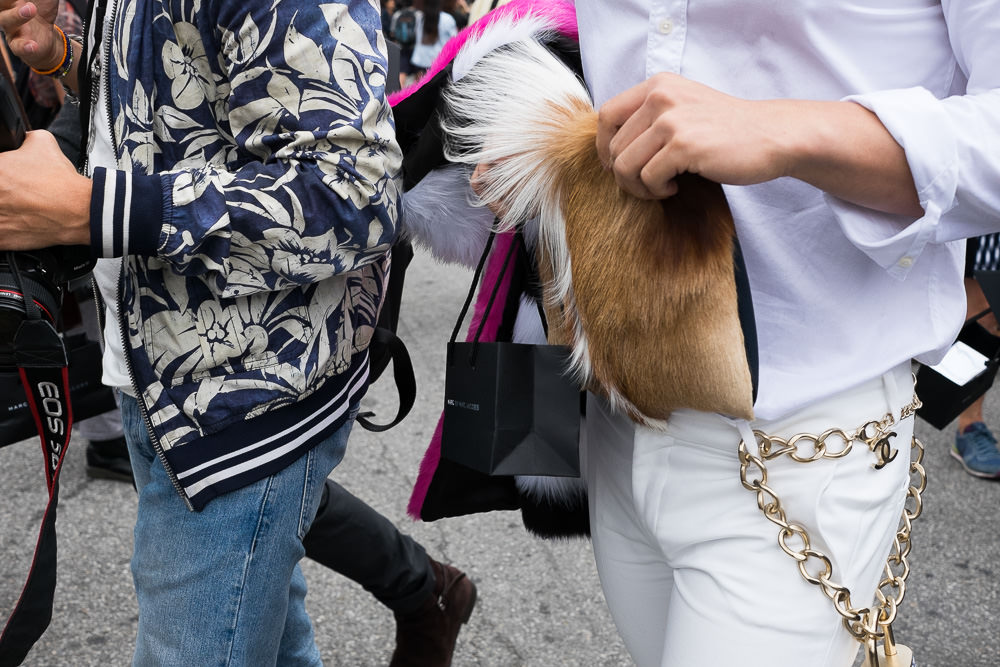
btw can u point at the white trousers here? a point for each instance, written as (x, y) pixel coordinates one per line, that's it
(691, 569)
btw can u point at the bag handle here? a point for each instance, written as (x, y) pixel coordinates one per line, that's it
(403, 376)
(980, 315)
(518, 240)
(472, 291)
(475, 281)
(493, 293)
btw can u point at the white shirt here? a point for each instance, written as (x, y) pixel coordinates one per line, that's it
(841, 293)
(101, 153)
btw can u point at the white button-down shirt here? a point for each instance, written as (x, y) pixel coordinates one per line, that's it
(841, 292)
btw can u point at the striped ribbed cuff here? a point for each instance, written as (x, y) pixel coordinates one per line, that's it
(126, 213)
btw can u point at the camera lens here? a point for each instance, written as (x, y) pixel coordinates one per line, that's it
(12, 311)
(11, 316)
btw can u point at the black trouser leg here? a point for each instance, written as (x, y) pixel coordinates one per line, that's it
(351, 538)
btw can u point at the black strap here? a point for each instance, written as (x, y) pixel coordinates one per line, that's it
(496, 288)
(402, 373)
(472, 290)
(541, 316)
(515, 242)
(745, 310)
(980, 315)
(47, 391)
(386, 347)
(41, 361)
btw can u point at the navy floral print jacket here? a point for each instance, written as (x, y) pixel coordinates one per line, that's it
(254, 202)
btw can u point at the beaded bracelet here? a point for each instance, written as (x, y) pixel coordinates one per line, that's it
(65, 64)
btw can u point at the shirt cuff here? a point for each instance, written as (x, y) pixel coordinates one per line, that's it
(126, 213)
(894, 242)
(918, 122)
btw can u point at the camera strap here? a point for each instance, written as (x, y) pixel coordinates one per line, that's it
(42, 365)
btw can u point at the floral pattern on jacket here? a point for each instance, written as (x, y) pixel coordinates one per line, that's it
(255, 200)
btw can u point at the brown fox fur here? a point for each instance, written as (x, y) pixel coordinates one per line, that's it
(642, 291)
(652, 284)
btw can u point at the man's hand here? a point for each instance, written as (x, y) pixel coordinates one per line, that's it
(30, 35)
(669, 125)
(43, 200)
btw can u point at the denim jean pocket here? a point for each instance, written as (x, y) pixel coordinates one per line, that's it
(311, 495)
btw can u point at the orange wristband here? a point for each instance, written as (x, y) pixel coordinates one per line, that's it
(62, 62)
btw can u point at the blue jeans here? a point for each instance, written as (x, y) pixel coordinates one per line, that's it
(223, 586)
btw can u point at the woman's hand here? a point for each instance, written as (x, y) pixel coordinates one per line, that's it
(478, 183)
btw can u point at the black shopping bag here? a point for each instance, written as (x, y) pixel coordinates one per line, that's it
(510, 408)
(88, 396)
(943, 400)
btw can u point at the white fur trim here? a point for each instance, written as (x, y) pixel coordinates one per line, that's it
(501, 32)
(528, 325)
(440, 213)
(569, 492)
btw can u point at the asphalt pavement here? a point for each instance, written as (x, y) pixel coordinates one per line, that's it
(540, 602)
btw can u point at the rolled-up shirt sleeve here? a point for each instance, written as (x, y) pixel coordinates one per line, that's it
(952, 146)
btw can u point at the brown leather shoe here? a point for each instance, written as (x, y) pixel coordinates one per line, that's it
(426, 637)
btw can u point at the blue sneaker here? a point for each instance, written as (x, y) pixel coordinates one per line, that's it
(976, 450)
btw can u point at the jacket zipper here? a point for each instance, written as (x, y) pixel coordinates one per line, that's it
(123, 332)
(105, 81)
(122, 328)
(98, 305)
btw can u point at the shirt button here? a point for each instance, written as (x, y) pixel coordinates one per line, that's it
(666, 26)
(906, 262)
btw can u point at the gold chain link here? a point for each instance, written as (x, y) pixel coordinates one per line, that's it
(865, 623)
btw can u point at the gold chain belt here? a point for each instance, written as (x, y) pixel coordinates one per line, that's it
(869, 624)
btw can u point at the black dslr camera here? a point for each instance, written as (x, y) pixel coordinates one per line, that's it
(31, 282)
